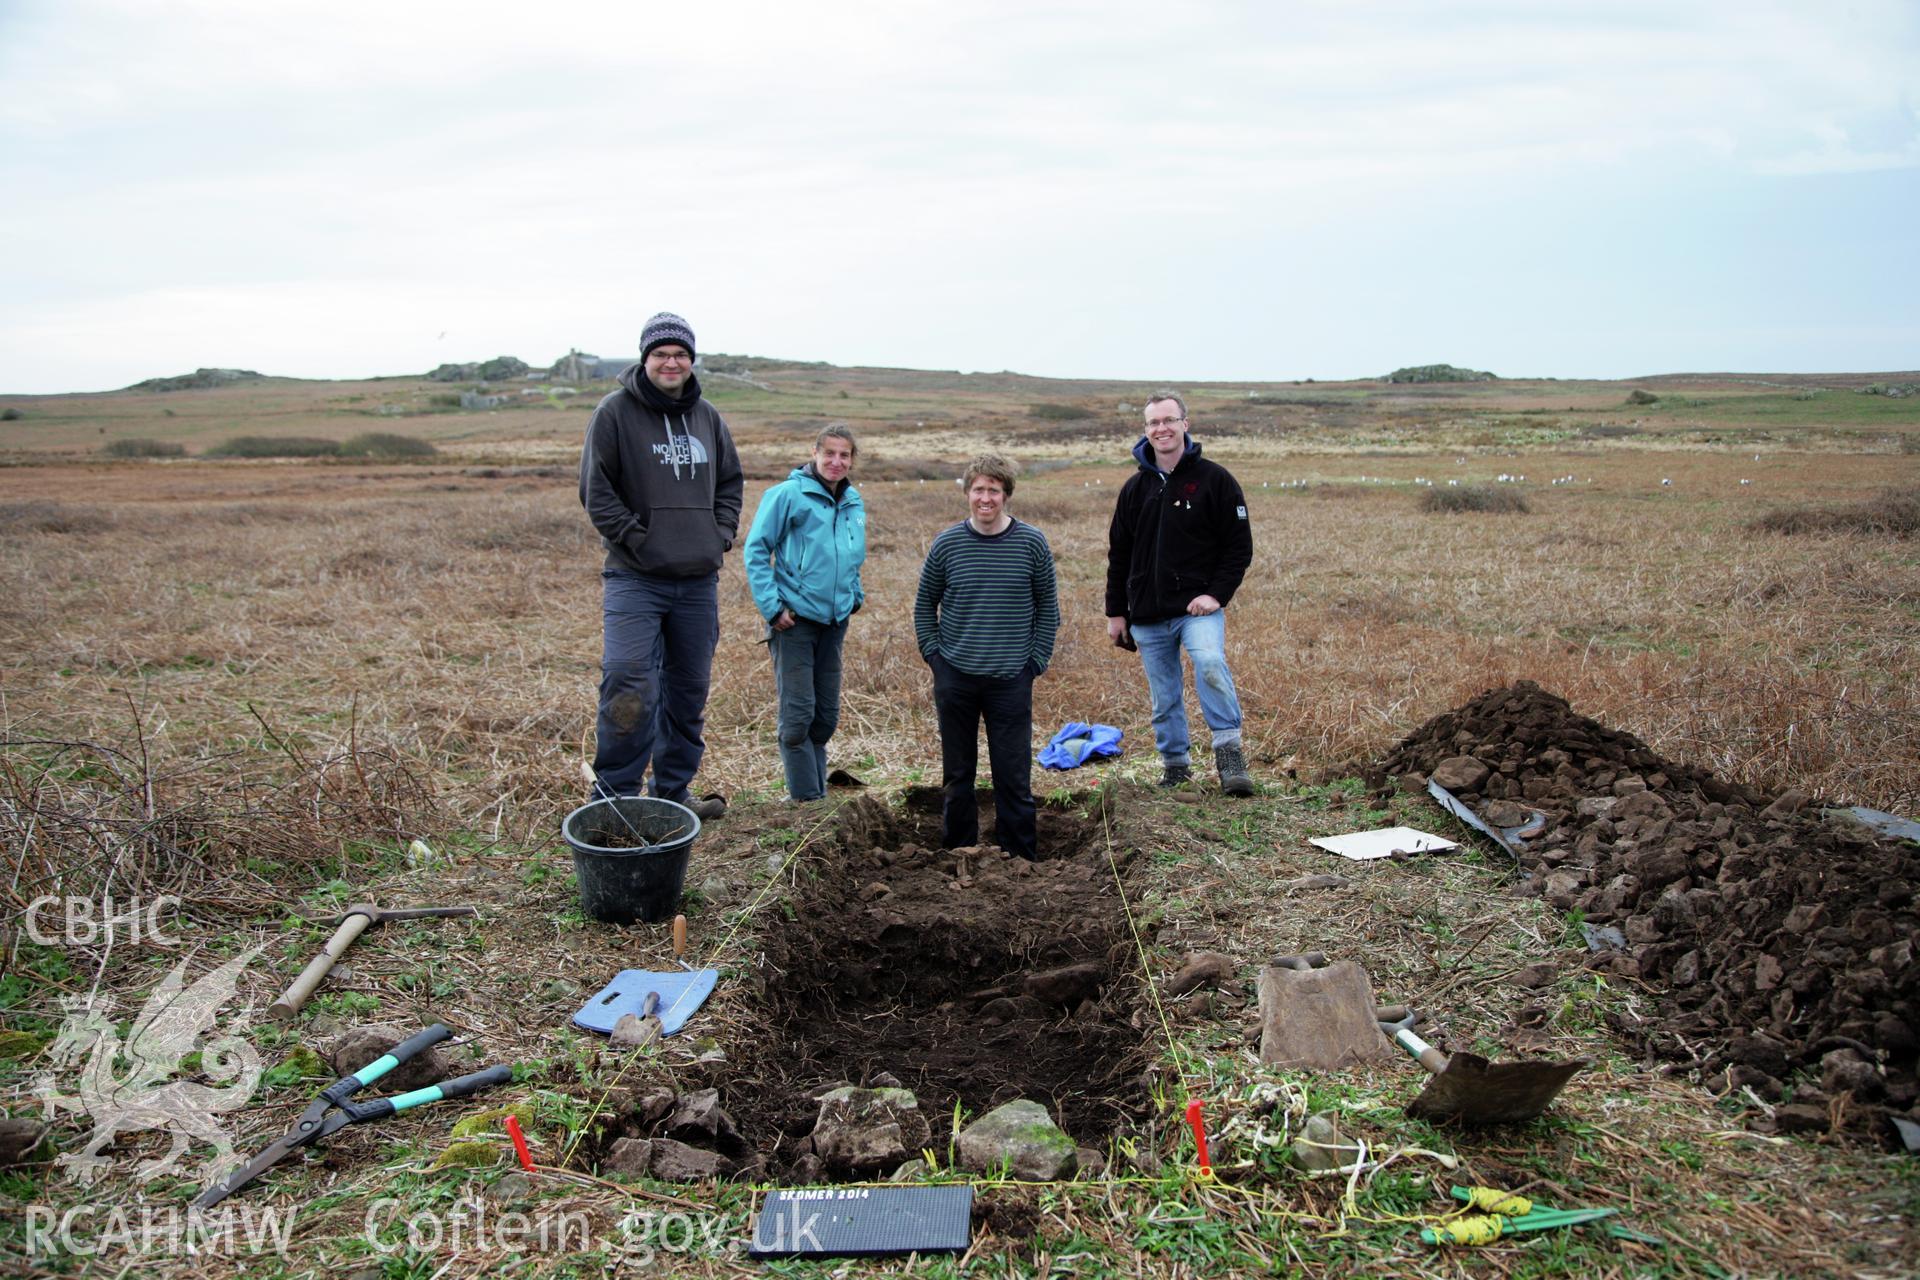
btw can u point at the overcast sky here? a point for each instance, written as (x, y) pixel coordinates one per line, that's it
(1260, 190)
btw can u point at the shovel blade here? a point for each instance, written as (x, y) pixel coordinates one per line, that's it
(1474, 1091)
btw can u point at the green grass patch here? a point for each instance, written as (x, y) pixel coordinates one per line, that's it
(1818, 409)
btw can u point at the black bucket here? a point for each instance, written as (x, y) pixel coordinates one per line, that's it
(621, 885)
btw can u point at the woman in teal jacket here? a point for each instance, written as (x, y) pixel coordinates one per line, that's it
(803, 559)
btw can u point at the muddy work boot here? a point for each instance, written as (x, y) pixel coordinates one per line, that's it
(1232, 766)
(707, 807)
(1175, 775)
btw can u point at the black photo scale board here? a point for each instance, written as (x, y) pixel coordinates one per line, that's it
(862, 1222)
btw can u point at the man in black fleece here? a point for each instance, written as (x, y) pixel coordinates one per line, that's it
(1177, 549)
(661, 481)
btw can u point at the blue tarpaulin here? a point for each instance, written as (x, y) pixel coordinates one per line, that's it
(1074, 745)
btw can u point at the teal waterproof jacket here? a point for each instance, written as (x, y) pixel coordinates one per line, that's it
(805, 550)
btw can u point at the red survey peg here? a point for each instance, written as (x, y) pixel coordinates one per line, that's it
(1199, 1124)
(519, 1143)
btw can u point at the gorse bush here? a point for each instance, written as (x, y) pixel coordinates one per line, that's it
(385, 444)
(142, 447)
(1891, 511)
(1474, 497)
(274, 447)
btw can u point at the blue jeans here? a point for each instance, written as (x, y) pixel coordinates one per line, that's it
(1205, 640)
(655, 667)
(806, 679)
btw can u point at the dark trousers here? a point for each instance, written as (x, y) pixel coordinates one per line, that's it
(962, 702)
(655, 667)
(806, 679)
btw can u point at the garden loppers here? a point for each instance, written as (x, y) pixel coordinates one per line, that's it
(333, 1110)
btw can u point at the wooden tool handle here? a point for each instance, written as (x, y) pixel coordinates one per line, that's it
(283, 1009)
(679, 936)
(1428, 1056)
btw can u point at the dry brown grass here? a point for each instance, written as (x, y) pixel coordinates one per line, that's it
(1894, 512)
(1482, 498)
(460, 611)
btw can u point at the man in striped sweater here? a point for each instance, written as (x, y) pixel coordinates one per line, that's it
(985, 618)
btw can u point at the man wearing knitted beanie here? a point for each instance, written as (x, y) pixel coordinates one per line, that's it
(661, 482)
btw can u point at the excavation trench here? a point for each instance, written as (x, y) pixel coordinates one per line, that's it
(969, 976)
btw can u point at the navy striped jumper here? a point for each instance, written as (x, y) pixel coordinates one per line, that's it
(988, 605)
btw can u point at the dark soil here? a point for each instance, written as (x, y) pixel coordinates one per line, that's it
(969, 976)
(1778, 940)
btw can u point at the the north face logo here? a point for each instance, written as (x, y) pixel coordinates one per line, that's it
(680, 450)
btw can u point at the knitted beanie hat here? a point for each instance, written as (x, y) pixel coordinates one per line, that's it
(664, 328)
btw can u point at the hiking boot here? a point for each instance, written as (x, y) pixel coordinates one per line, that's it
(707, 808)
(1232, 766)
(1175, 775)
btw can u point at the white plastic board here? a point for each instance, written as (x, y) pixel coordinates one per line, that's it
(1365, 846)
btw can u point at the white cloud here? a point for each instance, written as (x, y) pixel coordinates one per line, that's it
(800, 162)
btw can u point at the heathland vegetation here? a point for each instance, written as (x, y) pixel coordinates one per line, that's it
(253, 648)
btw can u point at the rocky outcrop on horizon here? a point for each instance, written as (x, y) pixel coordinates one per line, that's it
(1440, 373)
(198, 380)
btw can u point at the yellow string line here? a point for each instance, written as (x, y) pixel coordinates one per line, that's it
(1126, 907)
(713, 956)
(1349, 1203)
(1146, 969)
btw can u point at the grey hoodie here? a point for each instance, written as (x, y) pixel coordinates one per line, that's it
(660, 479)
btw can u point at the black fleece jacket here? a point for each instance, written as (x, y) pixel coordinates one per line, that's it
(1174, 537)
(660, 479)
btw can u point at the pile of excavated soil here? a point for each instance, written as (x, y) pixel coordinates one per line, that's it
(967, 976)
(1778, 940)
